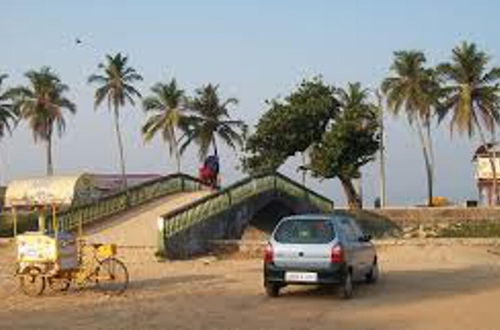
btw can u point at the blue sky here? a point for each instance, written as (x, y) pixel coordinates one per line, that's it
(255, 50)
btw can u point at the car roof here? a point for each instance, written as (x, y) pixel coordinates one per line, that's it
(335, 216)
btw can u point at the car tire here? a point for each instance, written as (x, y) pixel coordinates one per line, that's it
(272, 290)
(372, 276)
(346, 288)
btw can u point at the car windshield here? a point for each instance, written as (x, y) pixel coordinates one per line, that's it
(302, 231)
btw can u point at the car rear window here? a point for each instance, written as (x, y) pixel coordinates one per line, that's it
(305, 231)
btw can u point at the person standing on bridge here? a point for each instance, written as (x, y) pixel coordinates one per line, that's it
(209, 172)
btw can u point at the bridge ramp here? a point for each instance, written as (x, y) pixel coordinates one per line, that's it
(138, 227)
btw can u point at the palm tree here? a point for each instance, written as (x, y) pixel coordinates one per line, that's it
(210, 120)
(472, 95)
(415, 89)
(8, 116)
(115, 85)
(166, 108)
(42, 104)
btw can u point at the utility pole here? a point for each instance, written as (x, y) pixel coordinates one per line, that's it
(494, 169)
(383, 199)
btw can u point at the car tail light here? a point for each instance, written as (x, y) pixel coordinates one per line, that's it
(337, 255)
(268, 254)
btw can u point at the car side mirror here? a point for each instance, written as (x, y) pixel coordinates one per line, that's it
(365, 238)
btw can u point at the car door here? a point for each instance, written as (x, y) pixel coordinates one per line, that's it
(366, 254)
(353, 248)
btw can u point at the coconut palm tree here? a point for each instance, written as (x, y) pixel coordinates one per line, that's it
(42, 104)
(472, 95)
(210, 120)
(8, 116)
(115, 85)
(415, 89)
(166, 109)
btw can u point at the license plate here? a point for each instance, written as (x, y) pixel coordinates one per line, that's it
(301, 277)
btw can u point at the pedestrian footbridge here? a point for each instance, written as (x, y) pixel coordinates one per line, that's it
(178, 216)
(226, 214)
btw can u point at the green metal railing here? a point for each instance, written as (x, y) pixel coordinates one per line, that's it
(122, 201)
(183, 218)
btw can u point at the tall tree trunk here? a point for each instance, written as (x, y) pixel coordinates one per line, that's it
(383, 198)
(494, 157)
(303, 168)
(491, 160)
(50, 166)
(427, 160)
(215, 146)
(120, 149)
(177, 153)
(431, 150)
(353, 199)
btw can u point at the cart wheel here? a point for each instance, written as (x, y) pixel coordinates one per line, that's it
(59, 284)
(112, 276)
(32, 282)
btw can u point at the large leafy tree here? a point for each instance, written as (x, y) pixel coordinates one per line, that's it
(166, 108)
(8, 115)
(42, 103)
(290, 126)
(269, 146)
(415, 90)
(350, 141)
(115, 86)
(472, 95)
(210, 121)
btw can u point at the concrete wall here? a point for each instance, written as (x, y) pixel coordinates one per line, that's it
(405, 217)
(228, 225)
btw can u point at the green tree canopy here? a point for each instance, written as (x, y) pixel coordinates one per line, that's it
(42, 103)
(210, 120)
(350, 142)
(472, 90)
(8, 116)
(166, 108)
(291, 125)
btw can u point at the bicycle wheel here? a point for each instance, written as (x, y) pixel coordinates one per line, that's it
(32, 282)
(112, 276)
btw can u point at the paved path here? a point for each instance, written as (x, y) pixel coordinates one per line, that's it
(139, 227)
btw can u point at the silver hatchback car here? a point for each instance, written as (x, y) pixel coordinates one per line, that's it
(319, 249)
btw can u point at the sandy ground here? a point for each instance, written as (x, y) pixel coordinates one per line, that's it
(449, 287)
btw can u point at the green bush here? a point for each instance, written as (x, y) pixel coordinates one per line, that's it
(471, 229)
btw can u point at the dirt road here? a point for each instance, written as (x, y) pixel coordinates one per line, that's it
(420, 288)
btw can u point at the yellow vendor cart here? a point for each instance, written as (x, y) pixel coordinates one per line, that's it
(55, 259)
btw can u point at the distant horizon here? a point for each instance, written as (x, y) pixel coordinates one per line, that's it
(256, 51)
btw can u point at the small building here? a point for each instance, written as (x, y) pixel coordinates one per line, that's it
(65, 191)
(484, 172)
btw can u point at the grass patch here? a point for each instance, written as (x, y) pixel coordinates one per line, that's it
(374, 224)
(471, 229)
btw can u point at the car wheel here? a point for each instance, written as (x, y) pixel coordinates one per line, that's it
(372, 276)
(346, 288)
(272, 290)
